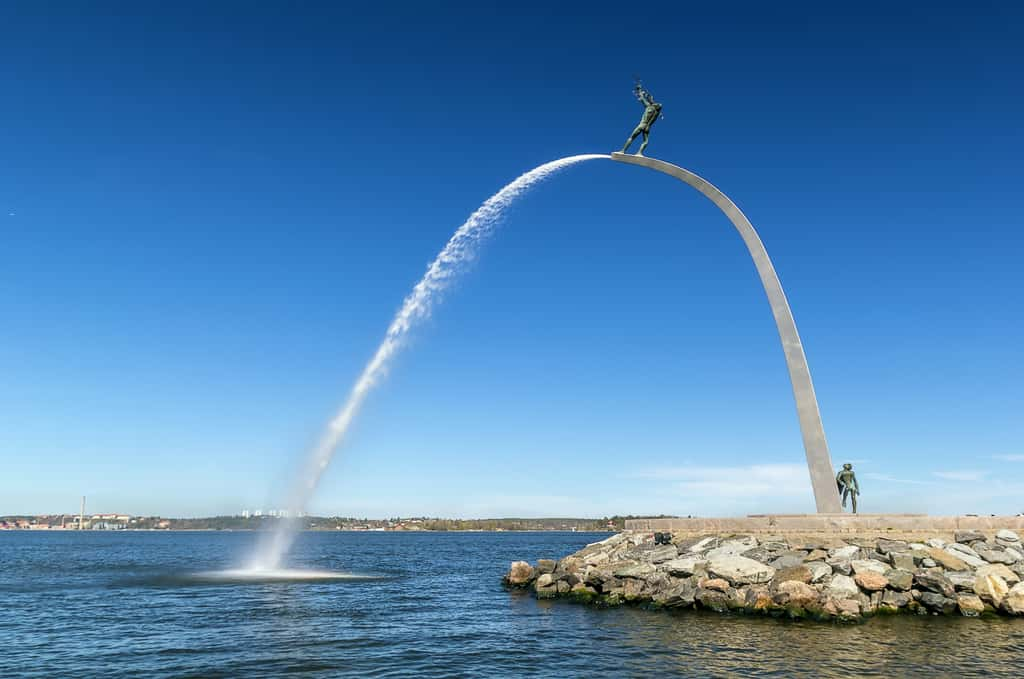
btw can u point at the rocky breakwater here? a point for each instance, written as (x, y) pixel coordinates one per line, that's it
(824, 578)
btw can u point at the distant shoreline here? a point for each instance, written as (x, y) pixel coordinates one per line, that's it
(304, 530)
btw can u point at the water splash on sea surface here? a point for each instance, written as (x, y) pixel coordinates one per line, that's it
(461, 248)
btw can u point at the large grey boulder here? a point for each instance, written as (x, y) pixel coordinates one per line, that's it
(634, 570)
(901, 580)
(884, 546)
(676, 595)
(965, 554)
(733, 547)
(739, 570)
(820, 571)
(862, 565)
(968, 536)
(662, 554)
(994, 554)
(963, 581)
(895, 600)
(843, 553)
(934, 582)
(683, 566)
(1007, 538)
(938, 603)
(700, 545)
(788, 561)
(902, 560)
(842, 587)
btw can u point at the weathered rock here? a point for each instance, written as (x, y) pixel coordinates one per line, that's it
(963, 581)
(519, 574)
(970, 605)
(1013, 602)
(795, 593)
(968, 536)
(699, 545)
(947, 560)
(994, 554)
(843, 568)
(684, 566)
(739, 570)
(893, 601)
(758, 554)
(819, 570)
(842, 587)
(787, 561)
(634, 570)
(928, 562)
(934, 582)
(717, 584)
(733, 547)
(757, 598)
(1001, 570)
(545, 565)
(902, 560)
(899, 579)
(991, 588)
(816, 555)
(864, 565)
(596, 558)
(935, 543)
(885, 546)
(965, 554)
(938, 603)
(1007, 538)
(713, 599)
(797, 573)
(843, 553)
(662, 554)
(871, 581)
(849, 609)
(1015, 553)
(544, 586)
(562, 587)
(678, 595)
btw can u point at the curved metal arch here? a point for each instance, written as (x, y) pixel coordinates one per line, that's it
(819, 462)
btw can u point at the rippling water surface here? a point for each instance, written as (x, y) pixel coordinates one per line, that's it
(423, 604)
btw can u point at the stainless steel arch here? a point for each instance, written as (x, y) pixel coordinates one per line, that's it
(819, 463)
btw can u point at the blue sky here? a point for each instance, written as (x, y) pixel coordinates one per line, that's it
(210, 214)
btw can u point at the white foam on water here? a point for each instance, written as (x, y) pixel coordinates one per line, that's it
(276, 575)
(460, 249)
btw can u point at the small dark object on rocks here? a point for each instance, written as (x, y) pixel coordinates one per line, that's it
(663, 538)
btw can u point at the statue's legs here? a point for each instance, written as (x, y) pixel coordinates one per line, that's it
(647, 138)
(853, 499)
(629, 141)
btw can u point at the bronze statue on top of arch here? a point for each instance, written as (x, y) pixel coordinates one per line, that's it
(652, 112)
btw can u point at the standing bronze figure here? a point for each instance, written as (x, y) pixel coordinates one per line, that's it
(652, 111)
(847, 482)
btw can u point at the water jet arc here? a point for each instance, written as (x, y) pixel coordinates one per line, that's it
(819, 462)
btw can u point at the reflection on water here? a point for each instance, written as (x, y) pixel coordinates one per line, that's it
(144, 604)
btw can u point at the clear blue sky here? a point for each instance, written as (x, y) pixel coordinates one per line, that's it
(209, 216)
